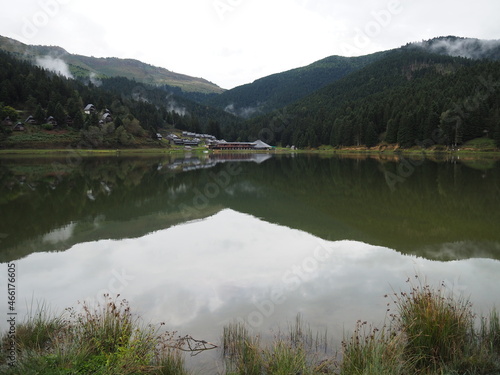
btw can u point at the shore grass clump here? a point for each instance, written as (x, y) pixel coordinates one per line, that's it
(370, 350)
(241, 351)
(490, 332)
(39, 330)
(103, 339)
(431, 331)
(439, 328)
(293, 351)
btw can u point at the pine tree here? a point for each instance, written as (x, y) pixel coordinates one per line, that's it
(78, 120)
(60, 115)
(214, 129)
(40, 115)
(392, 131)
(407, 132)
(496, 135)
(371, 137)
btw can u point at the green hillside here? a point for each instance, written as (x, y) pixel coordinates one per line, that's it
(40, 109)
(410, 96)
(440, 92)
(278, 90)
(84, 66)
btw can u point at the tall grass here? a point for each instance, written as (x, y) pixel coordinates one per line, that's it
(370, 350)
(291, 352)
(431, 331)
(439, 328)
(241, 351)
(427, 331)
(103, 339)
(40, 329)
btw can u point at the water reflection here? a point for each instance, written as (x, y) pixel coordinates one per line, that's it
(198, 276)
(441, 210)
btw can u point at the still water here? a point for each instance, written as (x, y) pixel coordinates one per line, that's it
(201, 241)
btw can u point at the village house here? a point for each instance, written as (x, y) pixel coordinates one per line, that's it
(19, 127)
(90, 108)
(51, 121)
(30, 120)
(106, 117)
(223, 145)
(7, 121)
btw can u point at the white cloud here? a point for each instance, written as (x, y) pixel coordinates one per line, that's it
(55, 65)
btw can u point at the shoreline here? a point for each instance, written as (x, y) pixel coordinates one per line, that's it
(164, 151)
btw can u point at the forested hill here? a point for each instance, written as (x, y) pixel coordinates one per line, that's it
(137, 111)
(78, 66)
(278, 90)
(410, 96)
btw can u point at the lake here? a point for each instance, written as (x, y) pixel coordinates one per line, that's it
(199, 241)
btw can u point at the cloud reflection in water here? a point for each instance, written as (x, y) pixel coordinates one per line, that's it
(200, 275)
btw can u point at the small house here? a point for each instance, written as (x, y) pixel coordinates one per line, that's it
(191, 142)
(19, 127)
(158, 136)
(30, 120)
(89, 108)
(7, 122)
(259, 145)
(106, 117)
(51, 121)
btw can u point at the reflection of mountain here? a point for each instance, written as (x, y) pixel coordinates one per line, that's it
(50, 205)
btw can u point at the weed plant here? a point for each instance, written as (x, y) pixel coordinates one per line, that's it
(291, 352)
(432, 331)
(104, 339)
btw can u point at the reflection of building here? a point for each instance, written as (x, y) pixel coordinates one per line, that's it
(257, 145)
(192, 163)
(240, 157)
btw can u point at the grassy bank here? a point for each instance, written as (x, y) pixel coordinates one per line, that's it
(40, 142)
(95, 152)
(428, 331)
(105, 339)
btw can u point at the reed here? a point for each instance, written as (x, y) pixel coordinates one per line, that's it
(293, 351)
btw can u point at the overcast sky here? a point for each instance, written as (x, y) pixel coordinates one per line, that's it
(233, 42)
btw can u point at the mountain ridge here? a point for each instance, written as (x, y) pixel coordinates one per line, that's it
(91, 67)
(420, 93)
(278, 90)
(410, 97)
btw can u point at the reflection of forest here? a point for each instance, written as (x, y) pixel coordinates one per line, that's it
(51, 205)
